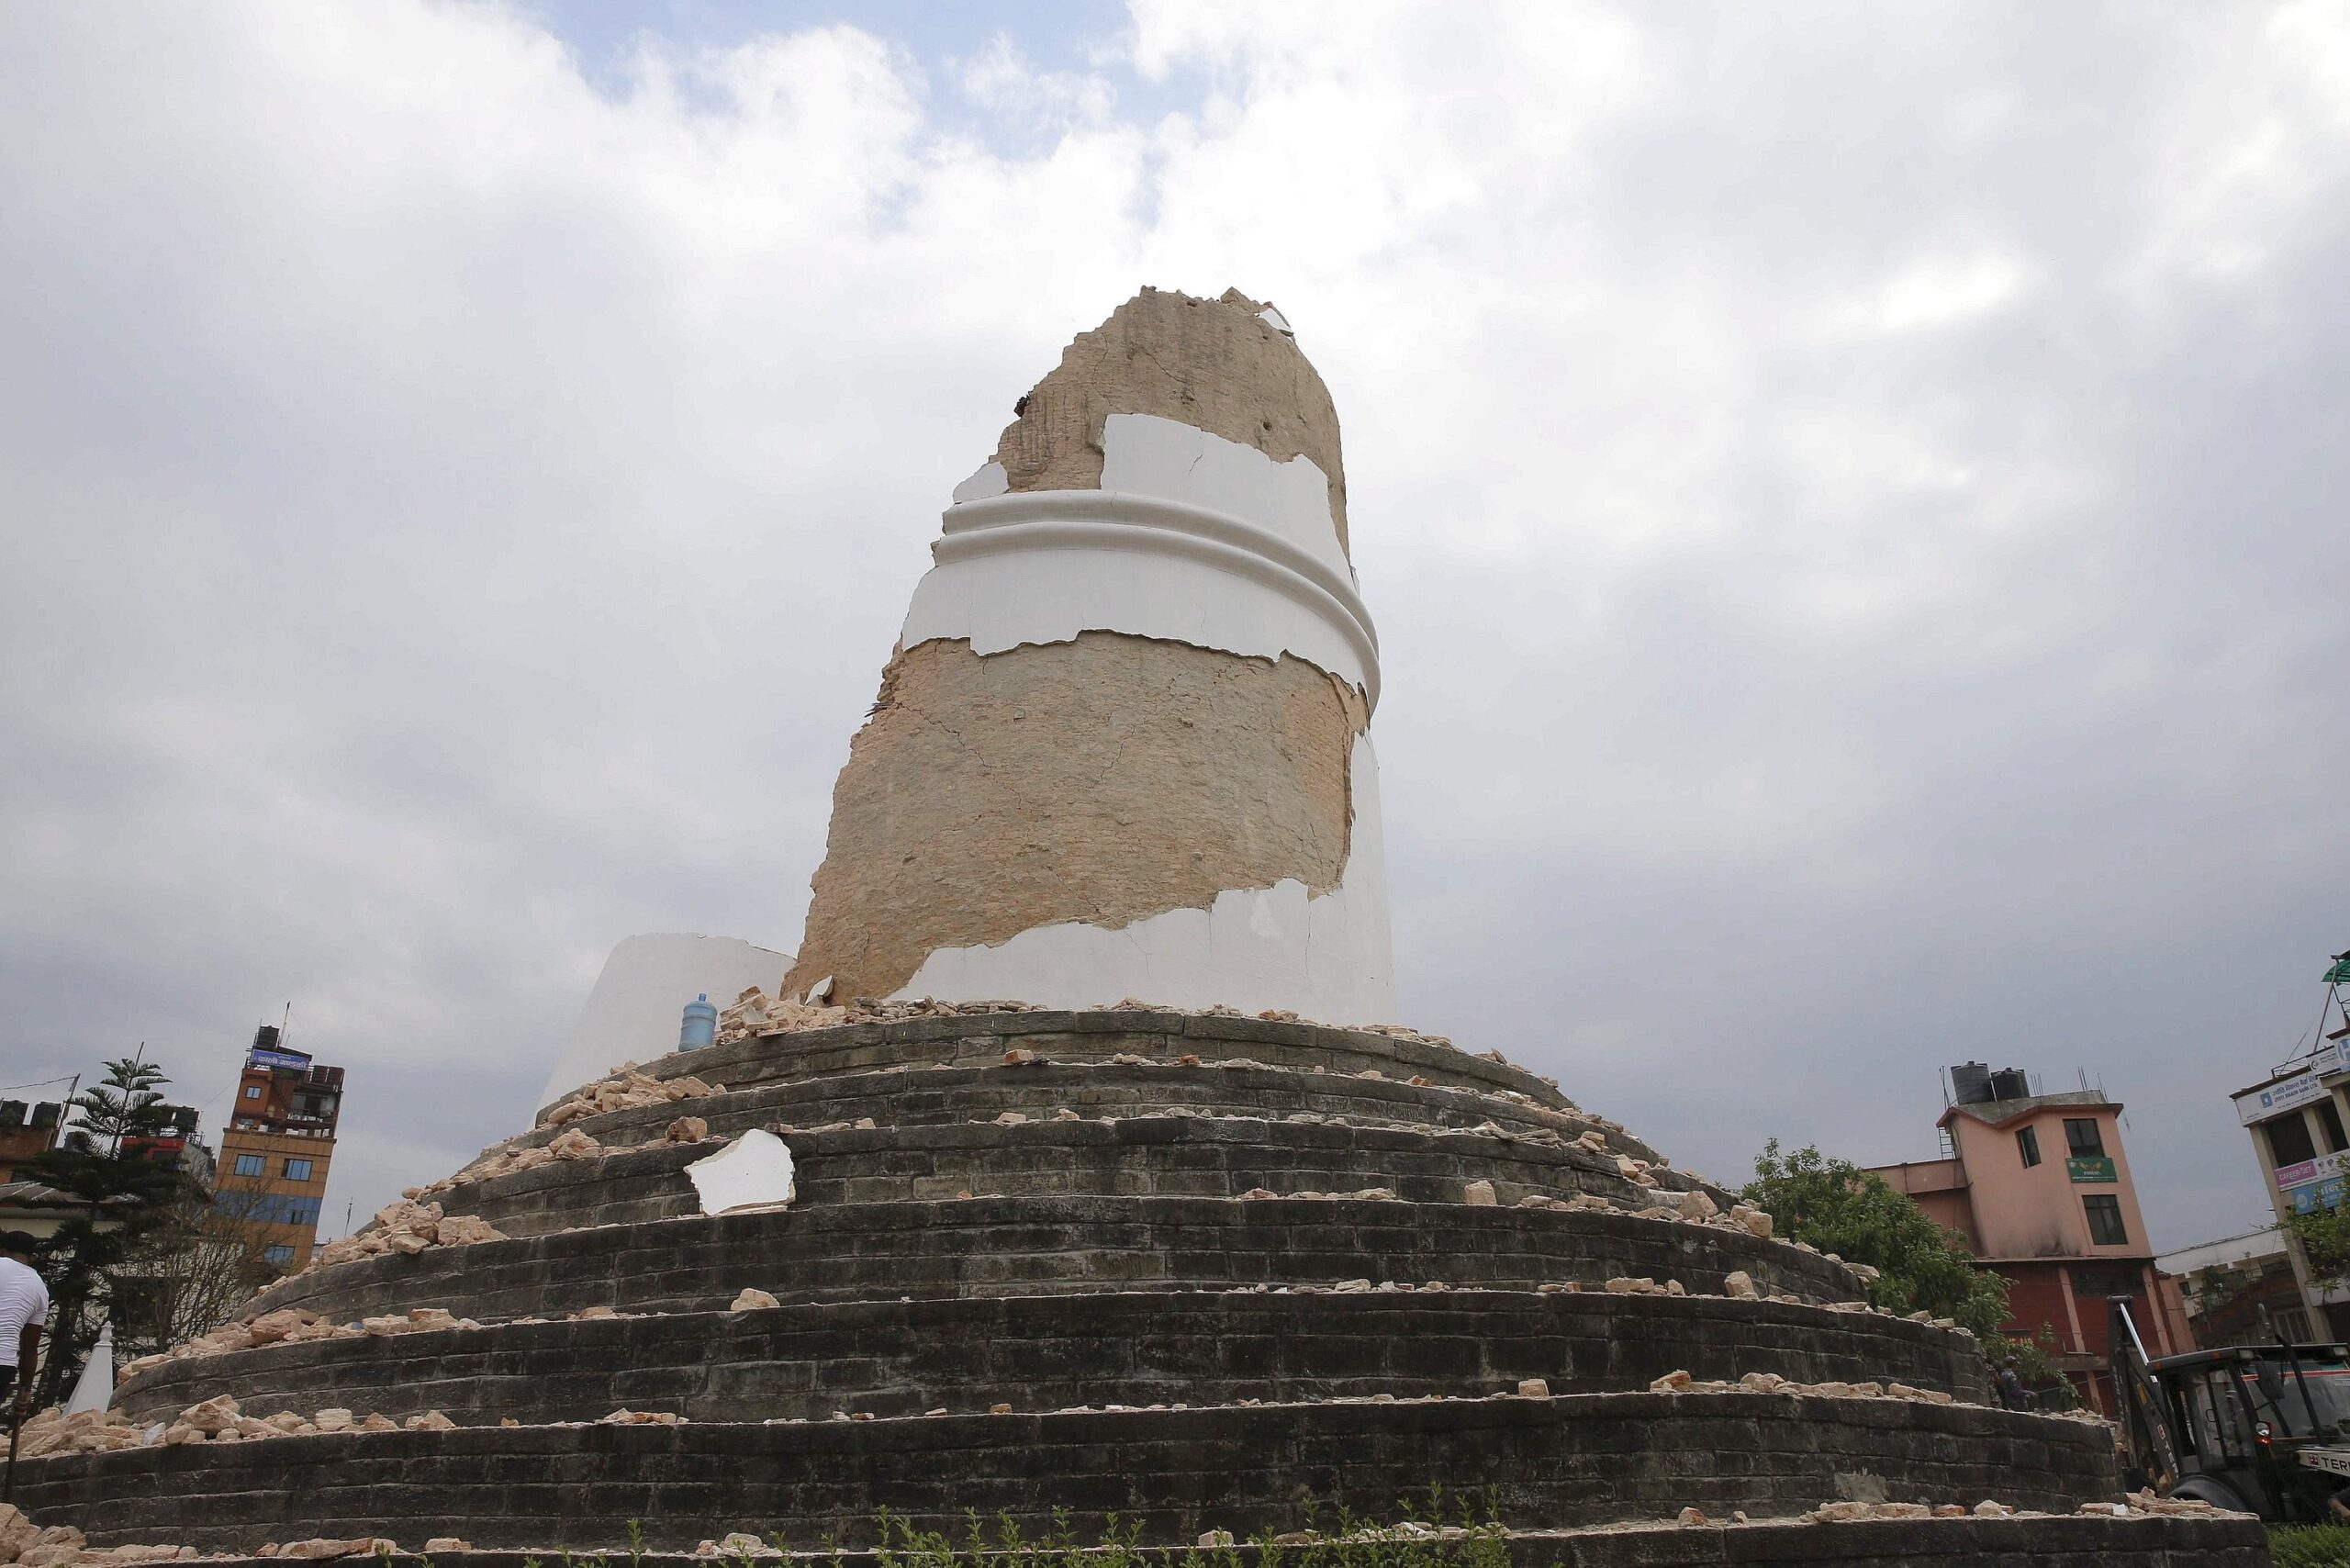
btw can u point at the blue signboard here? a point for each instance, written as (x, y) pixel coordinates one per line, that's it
(292, 1060)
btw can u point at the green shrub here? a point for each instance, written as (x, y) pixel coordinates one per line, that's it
(2310, 1546)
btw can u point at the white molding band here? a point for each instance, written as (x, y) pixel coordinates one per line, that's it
(1056, 521)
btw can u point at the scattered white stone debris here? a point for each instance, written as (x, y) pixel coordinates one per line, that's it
(448, 1543)
(1215, 1538)
(627, 1417)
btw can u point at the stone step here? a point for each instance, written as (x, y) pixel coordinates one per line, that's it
(1554, 1462)
(981, 1039)
(1161, 1156)
(919, 1096)
(1012, 1246)
(1047, 1352)
(2035, 1541)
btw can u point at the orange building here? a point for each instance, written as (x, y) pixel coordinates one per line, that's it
(276, 1147)
(2039, 1186)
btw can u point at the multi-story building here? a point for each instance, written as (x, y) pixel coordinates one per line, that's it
(2295, 1117)
(2240, 1290)
(175, 1143)
(276, 1147)
(2039, 1187)
(27, 1132)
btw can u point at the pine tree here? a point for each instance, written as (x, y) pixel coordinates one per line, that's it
(124, 1196)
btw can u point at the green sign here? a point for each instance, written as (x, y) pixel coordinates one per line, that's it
(2091, 1168)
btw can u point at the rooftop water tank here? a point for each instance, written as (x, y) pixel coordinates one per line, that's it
(1970, 1083)
(700, 1026)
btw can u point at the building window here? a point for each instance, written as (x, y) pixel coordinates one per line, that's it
(267, 1208)
(252, 1090)
(2081, 1139)
(2028, 1145)
(2329, 1121)
(277, 1256)
(2288, 1139)
(298, 1170)
(251, 1165)
(2105, 1220)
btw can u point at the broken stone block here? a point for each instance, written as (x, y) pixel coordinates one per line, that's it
(1479, 1194)
(751, 1300)
(1697, 1207)
(1534, 1388)
(1739, 1283)
(1215, 1538)
(334, 1419)
(447, 1543)
(1693, 1516)
(687, 1129)
(430, 1421)
(1672, 1383)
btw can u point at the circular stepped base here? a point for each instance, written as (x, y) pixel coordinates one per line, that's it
(931, 1096)
(1049, 1352)
(1138, 1156)
(1170, 1473)
(2139, 1541)
(1049, 1245)
(981, 1039)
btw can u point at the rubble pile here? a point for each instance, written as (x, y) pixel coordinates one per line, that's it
(1770, 1383)
(28, 1545)
(407, 1228)
(625, 1091)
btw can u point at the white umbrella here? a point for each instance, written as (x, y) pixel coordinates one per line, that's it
(94, 1389)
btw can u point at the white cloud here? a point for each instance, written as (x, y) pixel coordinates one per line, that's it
(1848, 496)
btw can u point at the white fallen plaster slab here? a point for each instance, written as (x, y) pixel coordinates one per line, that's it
(1327, 958)
(639, 998)
(754, 1172)
(1193, 539)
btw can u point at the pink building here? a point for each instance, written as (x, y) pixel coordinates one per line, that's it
(2040, 1188)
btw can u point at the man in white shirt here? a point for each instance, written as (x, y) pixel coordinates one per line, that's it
(24, 1308)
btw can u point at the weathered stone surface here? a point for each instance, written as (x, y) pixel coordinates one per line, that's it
(1105, 779)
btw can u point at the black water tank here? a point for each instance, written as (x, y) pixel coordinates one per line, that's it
(266, 1037)
(2010, 1083)
(1969, 1083)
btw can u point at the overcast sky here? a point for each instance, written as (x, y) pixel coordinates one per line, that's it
(1852, 498)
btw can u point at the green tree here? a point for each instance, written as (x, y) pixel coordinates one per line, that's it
(124, 1196)
(1840, 1208)
(2324, 1236)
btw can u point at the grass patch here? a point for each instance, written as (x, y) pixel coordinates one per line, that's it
(2310, 1546)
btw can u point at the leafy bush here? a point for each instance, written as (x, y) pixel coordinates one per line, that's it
(2310, 1546)
(1840, 1208)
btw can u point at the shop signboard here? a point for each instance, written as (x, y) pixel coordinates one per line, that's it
(2090, 1167)
(2326, 1194)
(2288, 1094)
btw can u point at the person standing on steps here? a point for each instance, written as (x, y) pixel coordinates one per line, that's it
(24, 1308)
